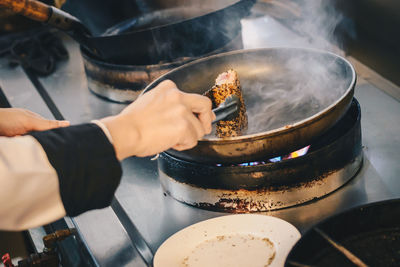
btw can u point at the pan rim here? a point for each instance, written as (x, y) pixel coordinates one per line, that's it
(278, 131)
(97, 37)
(366, 207)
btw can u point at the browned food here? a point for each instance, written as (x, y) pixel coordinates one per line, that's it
(226, 84)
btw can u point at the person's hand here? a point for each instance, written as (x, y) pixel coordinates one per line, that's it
(17, 121)
(161, 119)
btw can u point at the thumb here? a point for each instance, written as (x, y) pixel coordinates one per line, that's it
(41, 124)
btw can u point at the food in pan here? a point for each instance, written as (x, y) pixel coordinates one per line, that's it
(226, 84)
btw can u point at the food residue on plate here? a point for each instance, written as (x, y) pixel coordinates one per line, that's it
(232, 251)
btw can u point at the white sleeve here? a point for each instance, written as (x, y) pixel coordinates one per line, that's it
(105, 129)
(29, 186)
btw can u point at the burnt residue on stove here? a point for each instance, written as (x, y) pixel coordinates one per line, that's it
(231, 202)
(245, 201)
(237, 206)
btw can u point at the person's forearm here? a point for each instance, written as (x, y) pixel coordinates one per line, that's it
(85, 160)
(86, 165)
(54, 173)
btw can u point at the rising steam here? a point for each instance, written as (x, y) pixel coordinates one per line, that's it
(301, 85)
(308, 23)
(294, 89)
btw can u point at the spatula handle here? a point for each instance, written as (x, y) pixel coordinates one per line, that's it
(28, 8)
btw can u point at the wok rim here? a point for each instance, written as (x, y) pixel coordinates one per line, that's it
(365, 208)
(278, 131)
(97, 37)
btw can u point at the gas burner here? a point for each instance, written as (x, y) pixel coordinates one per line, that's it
(298, 153)
(332, 160)
(124, 83)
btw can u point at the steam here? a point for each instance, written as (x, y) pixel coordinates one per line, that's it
(299, 88)
(318, 22)
(308, 23)
(202, 36)
(300, 85)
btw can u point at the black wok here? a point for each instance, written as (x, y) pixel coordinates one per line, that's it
(370, 232)
(292, 96)
(162, 31)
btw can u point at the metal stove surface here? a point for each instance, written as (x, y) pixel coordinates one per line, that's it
(156, 215)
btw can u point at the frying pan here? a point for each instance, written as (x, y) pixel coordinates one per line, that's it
(165, 30)
(370, 232)
(292, 96)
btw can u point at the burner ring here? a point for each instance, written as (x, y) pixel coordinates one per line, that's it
(338, 155)
(123, 83)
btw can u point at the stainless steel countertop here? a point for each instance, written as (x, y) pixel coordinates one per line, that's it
(158, 216)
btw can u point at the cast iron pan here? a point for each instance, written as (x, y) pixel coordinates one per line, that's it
(292, 96)
(156, 31)
(160, 30)
(370, 232)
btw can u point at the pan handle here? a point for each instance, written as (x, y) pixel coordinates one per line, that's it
(41, 12)
(28, 8)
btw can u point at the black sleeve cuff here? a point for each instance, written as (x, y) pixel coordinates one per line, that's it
(86, 165)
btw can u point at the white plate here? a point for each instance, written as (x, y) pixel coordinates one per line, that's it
(235, 240)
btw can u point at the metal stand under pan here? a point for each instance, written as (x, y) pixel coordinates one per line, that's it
(332, 161)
